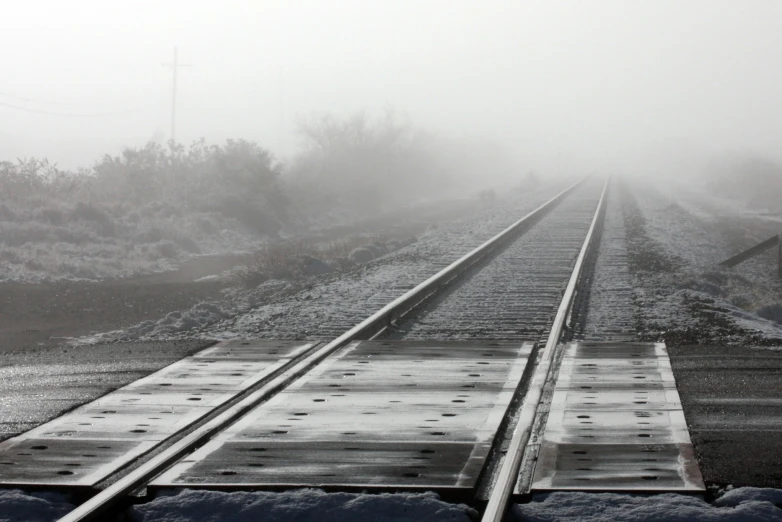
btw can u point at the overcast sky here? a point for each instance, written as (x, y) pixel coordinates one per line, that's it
(584, 82)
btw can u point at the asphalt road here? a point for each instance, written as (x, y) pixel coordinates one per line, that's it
(37, 385)
(732, 398)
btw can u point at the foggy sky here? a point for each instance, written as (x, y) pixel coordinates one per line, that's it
(579, 84)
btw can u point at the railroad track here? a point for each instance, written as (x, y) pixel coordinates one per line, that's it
(485, 295)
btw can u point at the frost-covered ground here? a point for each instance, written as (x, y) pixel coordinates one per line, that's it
(53, 244)
(674, 243)
(325, 306)
(657, 276)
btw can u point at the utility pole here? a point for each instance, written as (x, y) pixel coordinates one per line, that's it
(282, 117)
(175, 65)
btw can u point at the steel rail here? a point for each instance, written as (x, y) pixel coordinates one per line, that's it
(377, 322)
(506, 479)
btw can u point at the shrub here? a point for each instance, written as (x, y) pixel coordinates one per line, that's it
(104, 224)
(17, 234)
(53, 216)
(74, 235)
(187, 244)
(6, 213)
(362, 255)
(150, 235)
(250, 214)
(167, 249)
(207, 226)
(299, 258)
(314, 266)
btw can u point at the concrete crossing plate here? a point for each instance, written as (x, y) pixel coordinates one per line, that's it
(382, 414)
(86, 445)
(616, 423)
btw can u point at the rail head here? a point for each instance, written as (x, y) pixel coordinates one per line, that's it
(506, 479)
(100, 503)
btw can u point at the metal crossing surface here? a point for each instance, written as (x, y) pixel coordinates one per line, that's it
(85, 446)
(616, 423)
(378, 413)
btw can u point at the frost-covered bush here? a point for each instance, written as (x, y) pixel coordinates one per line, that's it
(314, 266)
(143, 210)
(358, 166)
(150, 208)
(362, 255)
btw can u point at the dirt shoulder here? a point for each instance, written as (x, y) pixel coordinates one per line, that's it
(41, 315)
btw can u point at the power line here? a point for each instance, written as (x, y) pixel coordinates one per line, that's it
(32, 100)
(75, 114)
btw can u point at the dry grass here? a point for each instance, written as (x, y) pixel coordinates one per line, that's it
(286, 259)
(341, 248)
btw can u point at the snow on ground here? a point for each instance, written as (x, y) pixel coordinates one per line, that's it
(313, 505)
(324, 307)
(738, 505)
(306, 505)
(18, 506)
(735, 496)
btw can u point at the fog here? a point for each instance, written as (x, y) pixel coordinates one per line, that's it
(578, 85)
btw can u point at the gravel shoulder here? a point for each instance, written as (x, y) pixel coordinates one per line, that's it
(45, 315)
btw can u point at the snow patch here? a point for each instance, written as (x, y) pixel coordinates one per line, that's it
(306, 505)
(734, 497)
(18, 506)
(745, 505)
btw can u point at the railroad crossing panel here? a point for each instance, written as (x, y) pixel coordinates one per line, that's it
(83, 447)
(616, 423)
(377, 414)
